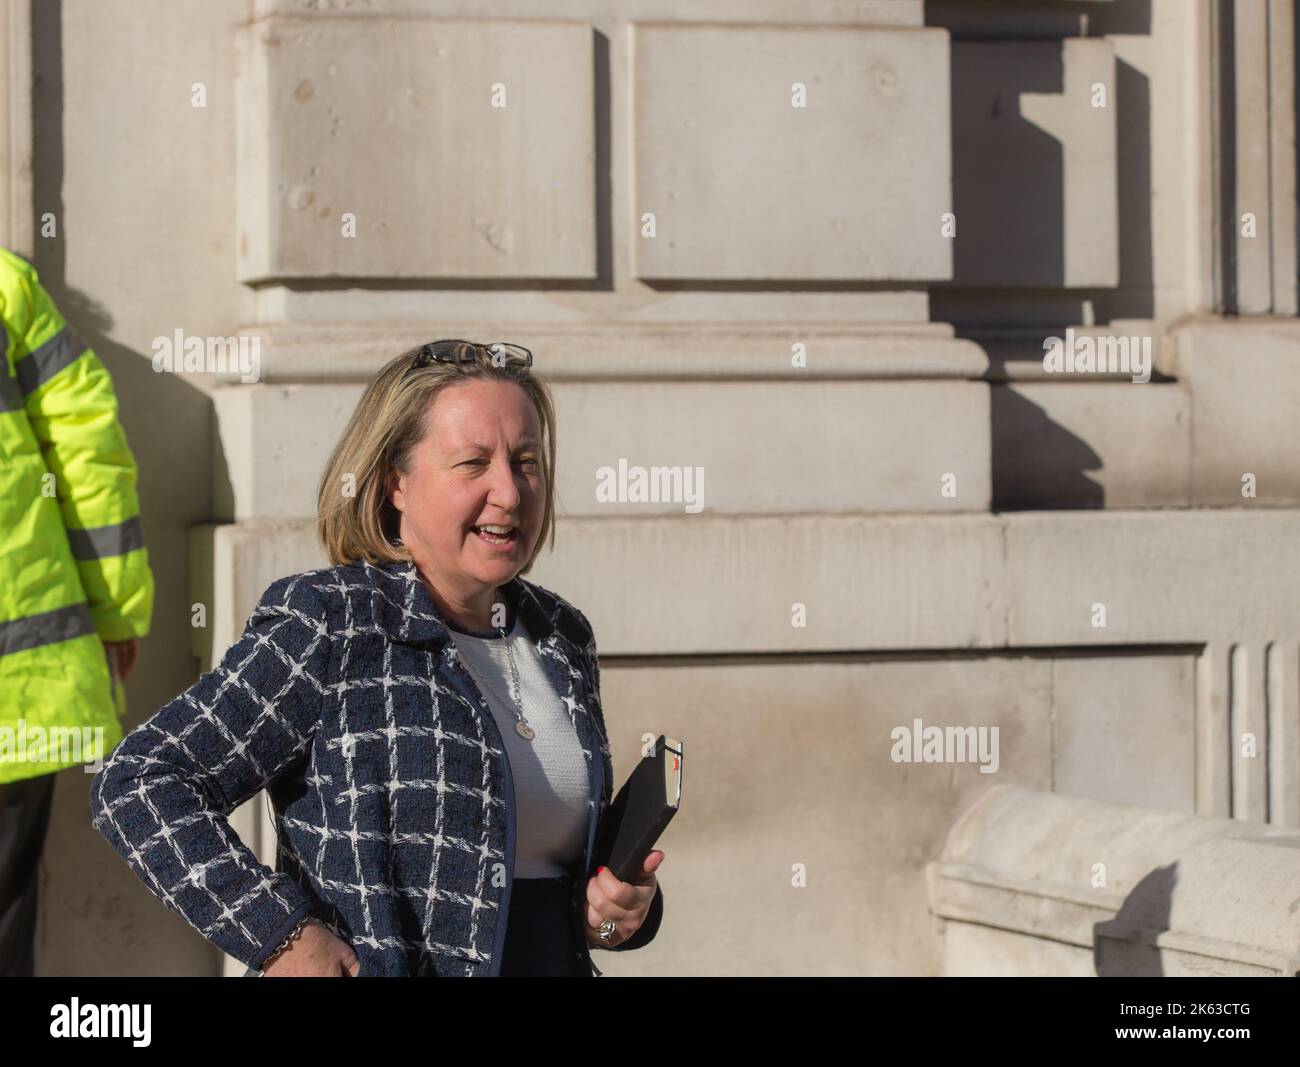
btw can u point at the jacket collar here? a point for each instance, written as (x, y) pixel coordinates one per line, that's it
(404, 610)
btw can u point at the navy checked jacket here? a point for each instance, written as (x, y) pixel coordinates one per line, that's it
(347, 700)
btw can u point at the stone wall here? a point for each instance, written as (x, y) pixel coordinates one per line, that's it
(815, 252)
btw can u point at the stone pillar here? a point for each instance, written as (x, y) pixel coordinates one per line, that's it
(1256, 134)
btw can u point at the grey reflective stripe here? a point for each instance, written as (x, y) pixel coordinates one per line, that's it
(11, 397)
(49, 359)
(61, 624)
(115, 540)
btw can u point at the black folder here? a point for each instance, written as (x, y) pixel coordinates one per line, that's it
(645, 805)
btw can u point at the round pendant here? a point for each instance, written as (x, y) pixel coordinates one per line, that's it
(525, 731)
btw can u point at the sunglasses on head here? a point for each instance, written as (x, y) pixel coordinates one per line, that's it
(498, 353)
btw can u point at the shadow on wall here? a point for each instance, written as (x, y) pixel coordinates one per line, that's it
(1133, 298)
(1119, 949)
(1008, 288)
(1008, 174)
(1037, 463)
(92, 909)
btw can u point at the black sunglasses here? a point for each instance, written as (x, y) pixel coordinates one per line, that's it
(499, 353)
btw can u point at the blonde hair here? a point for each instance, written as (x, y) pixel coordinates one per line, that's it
(355, 520)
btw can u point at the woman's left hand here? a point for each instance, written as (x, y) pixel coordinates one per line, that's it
(625, 902)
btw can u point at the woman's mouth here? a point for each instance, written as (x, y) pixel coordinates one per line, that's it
(497, 536)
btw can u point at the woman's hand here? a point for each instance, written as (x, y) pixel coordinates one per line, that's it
(314, 953)
(625, 902)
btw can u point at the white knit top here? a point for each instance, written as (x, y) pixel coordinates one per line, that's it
(549, 772)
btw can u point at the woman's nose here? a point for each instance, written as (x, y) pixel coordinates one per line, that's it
(503, 480)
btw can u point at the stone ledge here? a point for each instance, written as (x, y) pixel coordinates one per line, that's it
(878, 583)
(862, 12)
(770, 447)
(1183, 894)
(355, 351)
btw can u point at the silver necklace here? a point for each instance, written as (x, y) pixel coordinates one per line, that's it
(521, 726)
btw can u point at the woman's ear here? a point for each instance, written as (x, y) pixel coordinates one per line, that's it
(390, 511)
(393, 488)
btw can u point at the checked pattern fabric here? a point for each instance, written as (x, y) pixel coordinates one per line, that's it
(346, 699)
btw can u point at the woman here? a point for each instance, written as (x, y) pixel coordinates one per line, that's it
(427, 723)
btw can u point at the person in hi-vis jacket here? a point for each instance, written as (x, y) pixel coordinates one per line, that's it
(76, 591)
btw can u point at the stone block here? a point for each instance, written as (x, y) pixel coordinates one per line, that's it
(416, 148)
(1090, 445)
(745, 184)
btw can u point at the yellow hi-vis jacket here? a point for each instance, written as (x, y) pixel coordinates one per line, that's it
(73, 567)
